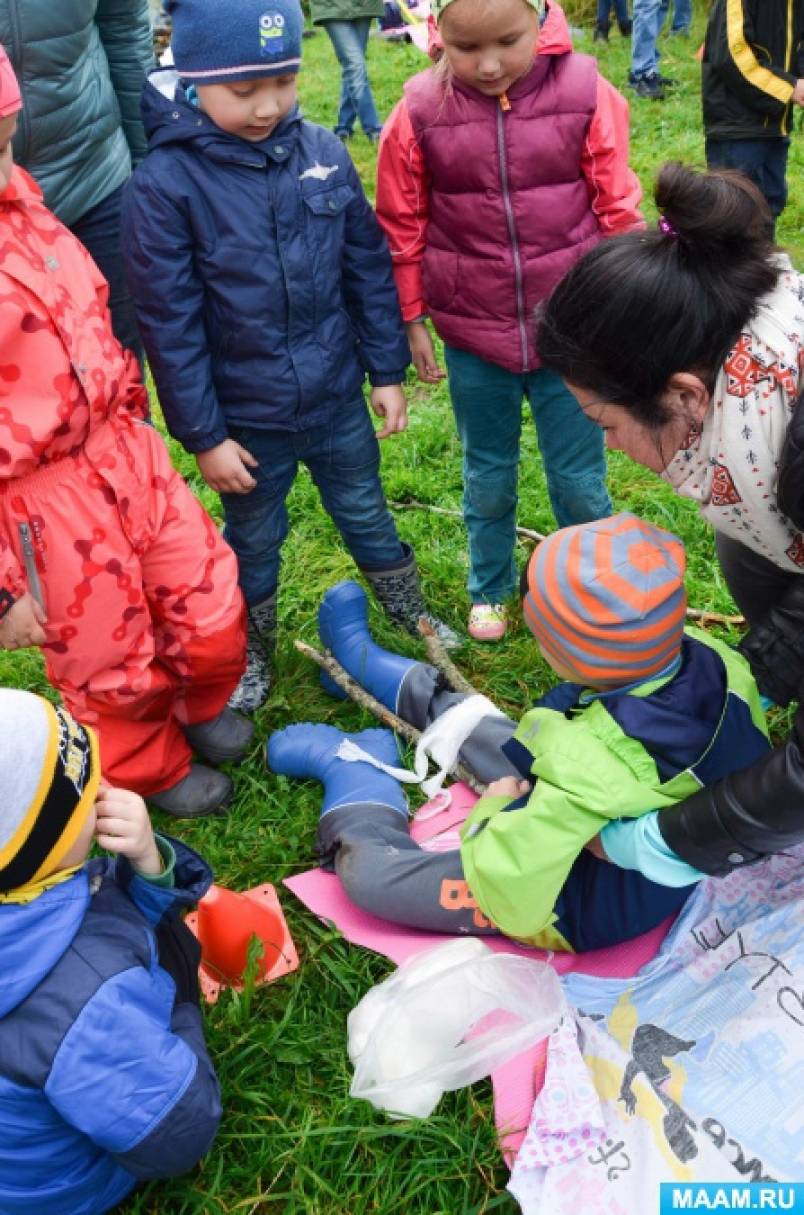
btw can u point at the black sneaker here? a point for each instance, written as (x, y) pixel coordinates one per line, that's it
(667, 82)
(650, 87)
(601, 33)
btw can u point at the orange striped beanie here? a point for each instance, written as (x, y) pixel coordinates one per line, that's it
(606, 599)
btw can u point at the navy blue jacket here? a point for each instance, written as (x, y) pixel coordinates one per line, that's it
(261, 277)
(104, 1075)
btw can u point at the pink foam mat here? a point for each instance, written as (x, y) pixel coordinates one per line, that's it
(517, 1083)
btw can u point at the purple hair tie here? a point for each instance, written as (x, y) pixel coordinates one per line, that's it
(667, 228)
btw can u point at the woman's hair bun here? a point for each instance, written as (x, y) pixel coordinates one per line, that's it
(715, 214)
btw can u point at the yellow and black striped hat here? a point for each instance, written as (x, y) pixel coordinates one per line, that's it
(49, 774)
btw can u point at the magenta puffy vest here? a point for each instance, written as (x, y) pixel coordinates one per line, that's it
(509, 209)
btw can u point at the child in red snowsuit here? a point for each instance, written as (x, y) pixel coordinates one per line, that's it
(107, 561)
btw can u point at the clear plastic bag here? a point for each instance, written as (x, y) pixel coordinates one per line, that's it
(417, 1034)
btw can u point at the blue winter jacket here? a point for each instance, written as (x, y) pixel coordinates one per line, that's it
(104, 1076)
(261, 277)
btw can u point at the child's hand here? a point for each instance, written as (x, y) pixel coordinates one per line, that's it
(122, 826)
(22, 624)
(798, 93)
(508, 786)
(422, 353)
(225, 468)
(390, 403)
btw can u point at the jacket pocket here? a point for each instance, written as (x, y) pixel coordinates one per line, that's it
(440, 279)
(329, 202)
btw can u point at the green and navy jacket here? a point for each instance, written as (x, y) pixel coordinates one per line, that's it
(598, 756)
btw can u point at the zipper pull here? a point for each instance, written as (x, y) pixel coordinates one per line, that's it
(29, 561)
(505, 104)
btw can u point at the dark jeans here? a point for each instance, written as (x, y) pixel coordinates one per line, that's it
(604, 8)
(763, 160)
(386, 873)
(756, 584)
(99, 231)
(344, 459)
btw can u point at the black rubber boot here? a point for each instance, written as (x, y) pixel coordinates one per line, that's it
(399, 593)
(252, 691)
(601, 33)
(202, 791)
(625, 28)
(225, 739)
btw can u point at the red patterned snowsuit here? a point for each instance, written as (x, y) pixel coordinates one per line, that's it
(145, 622)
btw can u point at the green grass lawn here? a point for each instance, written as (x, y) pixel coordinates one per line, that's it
(291, 1138)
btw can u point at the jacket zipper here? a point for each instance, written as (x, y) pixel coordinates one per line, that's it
(503, 109)
(17, 56)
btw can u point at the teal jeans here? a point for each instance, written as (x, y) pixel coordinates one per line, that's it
(487, 401)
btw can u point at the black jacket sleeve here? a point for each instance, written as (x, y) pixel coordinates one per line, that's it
(736, 47)
(774, 647)
(750, 814)
(790, 479)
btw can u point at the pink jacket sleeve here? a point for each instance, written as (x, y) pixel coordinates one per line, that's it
(403, 196)
(614, 188)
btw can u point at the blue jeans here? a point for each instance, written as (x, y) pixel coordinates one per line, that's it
(99, 231)
(349, 40)
(682, 15)
(487, 401)
(343, 457)
(604, 8)
(763, 160)
(644, 33)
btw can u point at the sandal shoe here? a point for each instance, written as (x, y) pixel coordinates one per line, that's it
(488, 621)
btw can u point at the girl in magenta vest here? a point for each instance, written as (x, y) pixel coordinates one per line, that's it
(499, 168)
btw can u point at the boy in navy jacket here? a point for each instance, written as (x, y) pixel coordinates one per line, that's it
(264, 294)
(104, 1076)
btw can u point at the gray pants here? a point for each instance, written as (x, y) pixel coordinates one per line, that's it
(381, 868)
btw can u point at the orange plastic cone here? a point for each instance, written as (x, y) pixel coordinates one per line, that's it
(225, 923)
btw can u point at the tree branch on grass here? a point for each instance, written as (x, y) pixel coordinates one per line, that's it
(441, 660)
(703, 617)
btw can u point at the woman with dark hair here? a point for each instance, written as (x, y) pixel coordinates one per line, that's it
(686, 345)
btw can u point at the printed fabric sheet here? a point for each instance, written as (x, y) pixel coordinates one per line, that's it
(693, 1070)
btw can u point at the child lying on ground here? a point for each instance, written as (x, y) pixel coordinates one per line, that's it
(104, 1075)
(650, 712)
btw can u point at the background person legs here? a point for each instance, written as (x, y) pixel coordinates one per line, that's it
(349, 41)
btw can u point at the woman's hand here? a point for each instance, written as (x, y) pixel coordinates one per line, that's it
(422, 353)
(225, 468)
(508, 786)
(389, 403)
(122, 826)
(22, 624)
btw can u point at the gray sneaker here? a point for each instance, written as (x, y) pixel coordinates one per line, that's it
(202, 791)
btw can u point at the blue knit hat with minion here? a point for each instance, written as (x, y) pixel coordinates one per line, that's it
(223, 41)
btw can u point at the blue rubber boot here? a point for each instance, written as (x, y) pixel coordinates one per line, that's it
(343, 628)
(308, 750)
